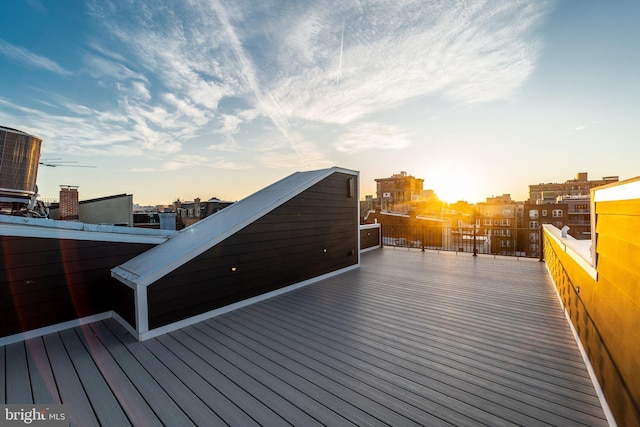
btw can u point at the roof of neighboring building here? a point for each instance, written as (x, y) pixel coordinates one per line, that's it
(98, 199)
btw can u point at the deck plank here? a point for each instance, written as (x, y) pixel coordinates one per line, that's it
(415, 374)
(43, 383)
(350, 405)
(378, 384)
(17, 374)
(422, 348)
(289, 387)
(3, 370)
(253, 407)
(290, 413)
(72, 393)
(384, 408)
(131, 400)
(215, 400)
(190, 403)
(105, 405)
(161, 402)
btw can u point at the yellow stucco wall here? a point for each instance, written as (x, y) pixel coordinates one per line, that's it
(606, 311)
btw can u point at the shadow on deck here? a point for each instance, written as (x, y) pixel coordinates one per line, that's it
(410, 338)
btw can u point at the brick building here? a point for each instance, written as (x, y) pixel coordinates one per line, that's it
(399, 192)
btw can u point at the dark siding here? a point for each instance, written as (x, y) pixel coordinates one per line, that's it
(369, 237)
(124, 301)
(312, 234)
(48, 281)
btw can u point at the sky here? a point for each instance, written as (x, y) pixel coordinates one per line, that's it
(194, 98)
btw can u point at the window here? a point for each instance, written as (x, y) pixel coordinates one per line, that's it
(533, 237)
(557, 213)
(544, 212)
(533, 214)
(533, 224)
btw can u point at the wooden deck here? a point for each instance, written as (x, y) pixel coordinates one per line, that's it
(410, 338)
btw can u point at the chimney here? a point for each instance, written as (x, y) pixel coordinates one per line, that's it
(196, 208)
(69, 209)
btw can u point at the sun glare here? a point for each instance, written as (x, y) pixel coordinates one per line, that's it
(453, 185)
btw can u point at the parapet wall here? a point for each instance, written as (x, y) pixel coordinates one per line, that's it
(601, 295)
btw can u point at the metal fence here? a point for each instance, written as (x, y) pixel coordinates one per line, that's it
(519, 242)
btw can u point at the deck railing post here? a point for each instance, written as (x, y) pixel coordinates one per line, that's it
(475, 247)
(541, 244)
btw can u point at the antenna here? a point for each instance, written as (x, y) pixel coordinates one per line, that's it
(57, 162)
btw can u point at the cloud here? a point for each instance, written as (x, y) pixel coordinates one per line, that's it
(392, 52)
(278, 153)
(31, 59)
(37, 6)
(334, 62)
(229, 165)
(101, 68)
(368, 136)
(185, 72)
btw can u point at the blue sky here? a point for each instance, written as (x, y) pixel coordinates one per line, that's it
(210, 98)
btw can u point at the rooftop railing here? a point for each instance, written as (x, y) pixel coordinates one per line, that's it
(507, 241)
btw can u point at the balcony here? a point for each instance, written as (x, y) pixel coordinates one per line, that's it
(409, 338)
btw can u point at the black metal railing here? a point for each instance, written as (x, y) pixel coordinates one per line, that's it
(508, 241)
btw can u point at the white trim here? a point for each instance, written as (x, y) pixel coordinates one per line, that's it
(52, 229)
(625, 190)
(142, 310)
(125, 324)
(368, 226)
(213, 313)
(585, 357)
(372, 248)
(34, 333)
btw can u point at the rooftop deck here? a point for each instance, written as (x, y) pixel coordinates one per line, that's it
(410, 338)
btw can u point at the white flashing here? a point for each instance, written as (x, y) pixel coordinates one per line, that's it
(624, 190)
(578, 250)
(52, 229)
(369, 226)
(34, 333)
(143, 336)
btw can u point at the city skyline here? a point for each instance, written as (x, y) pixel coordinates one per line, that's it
(202, 99)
